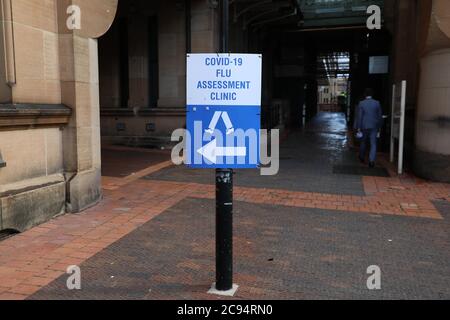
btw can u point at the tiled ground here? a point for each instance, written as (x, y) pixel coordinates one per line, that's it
(153, 231)
(116, 161)
(280, 253)
(307, 160)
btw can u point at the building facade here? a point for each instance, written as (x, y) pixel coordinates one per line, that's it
(79, 73)
(330, 92)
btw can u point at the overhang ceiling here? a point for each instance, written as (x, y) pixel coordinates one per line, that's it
(301, 13)
(325, 13)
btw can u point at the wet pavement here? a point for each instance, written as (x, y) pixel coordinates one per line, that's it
(307, 160)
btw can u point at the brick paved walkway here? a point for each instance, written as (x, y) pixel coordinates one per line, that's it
(151, 236)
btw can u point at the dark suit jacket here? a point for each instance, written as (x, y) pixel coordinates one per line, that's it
(370, 115)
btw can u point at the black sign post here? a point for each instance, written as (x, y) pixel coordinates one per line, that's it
(224, 198)
(224, 229)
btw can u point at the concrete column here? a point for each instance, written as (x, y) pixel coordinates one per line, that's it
(79, 90)
(7, 58)
(138, 49)
(78, 56)
(109, 64)
(205, 27)
(404, 64)
(432, 154)
(172, 55)
(172, 45)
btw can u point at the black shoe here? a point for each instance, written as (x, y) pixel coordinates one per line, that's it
(362, 160)
(371, 164)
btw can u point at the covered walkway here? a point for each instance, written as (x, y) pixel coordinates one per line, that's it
(307, 161)
(310, 232)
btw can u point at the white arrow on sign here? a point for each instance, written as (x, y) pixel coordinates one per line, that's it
(211, 151)
(226, 119)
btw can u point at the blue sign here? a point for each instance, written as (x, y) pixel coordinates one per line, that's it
(223, 110)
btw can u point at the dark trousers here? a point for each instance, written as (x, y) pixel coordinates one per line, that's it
(369, 136)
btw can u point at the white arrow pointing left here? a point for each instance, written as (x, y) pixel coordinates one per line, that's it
(211, 151)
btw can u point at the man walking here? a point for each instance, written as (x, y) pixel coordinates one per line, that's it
(369, 122)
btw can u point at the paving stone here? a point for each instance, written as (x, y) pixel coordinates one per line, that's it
(327, 225)
(280, 253)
